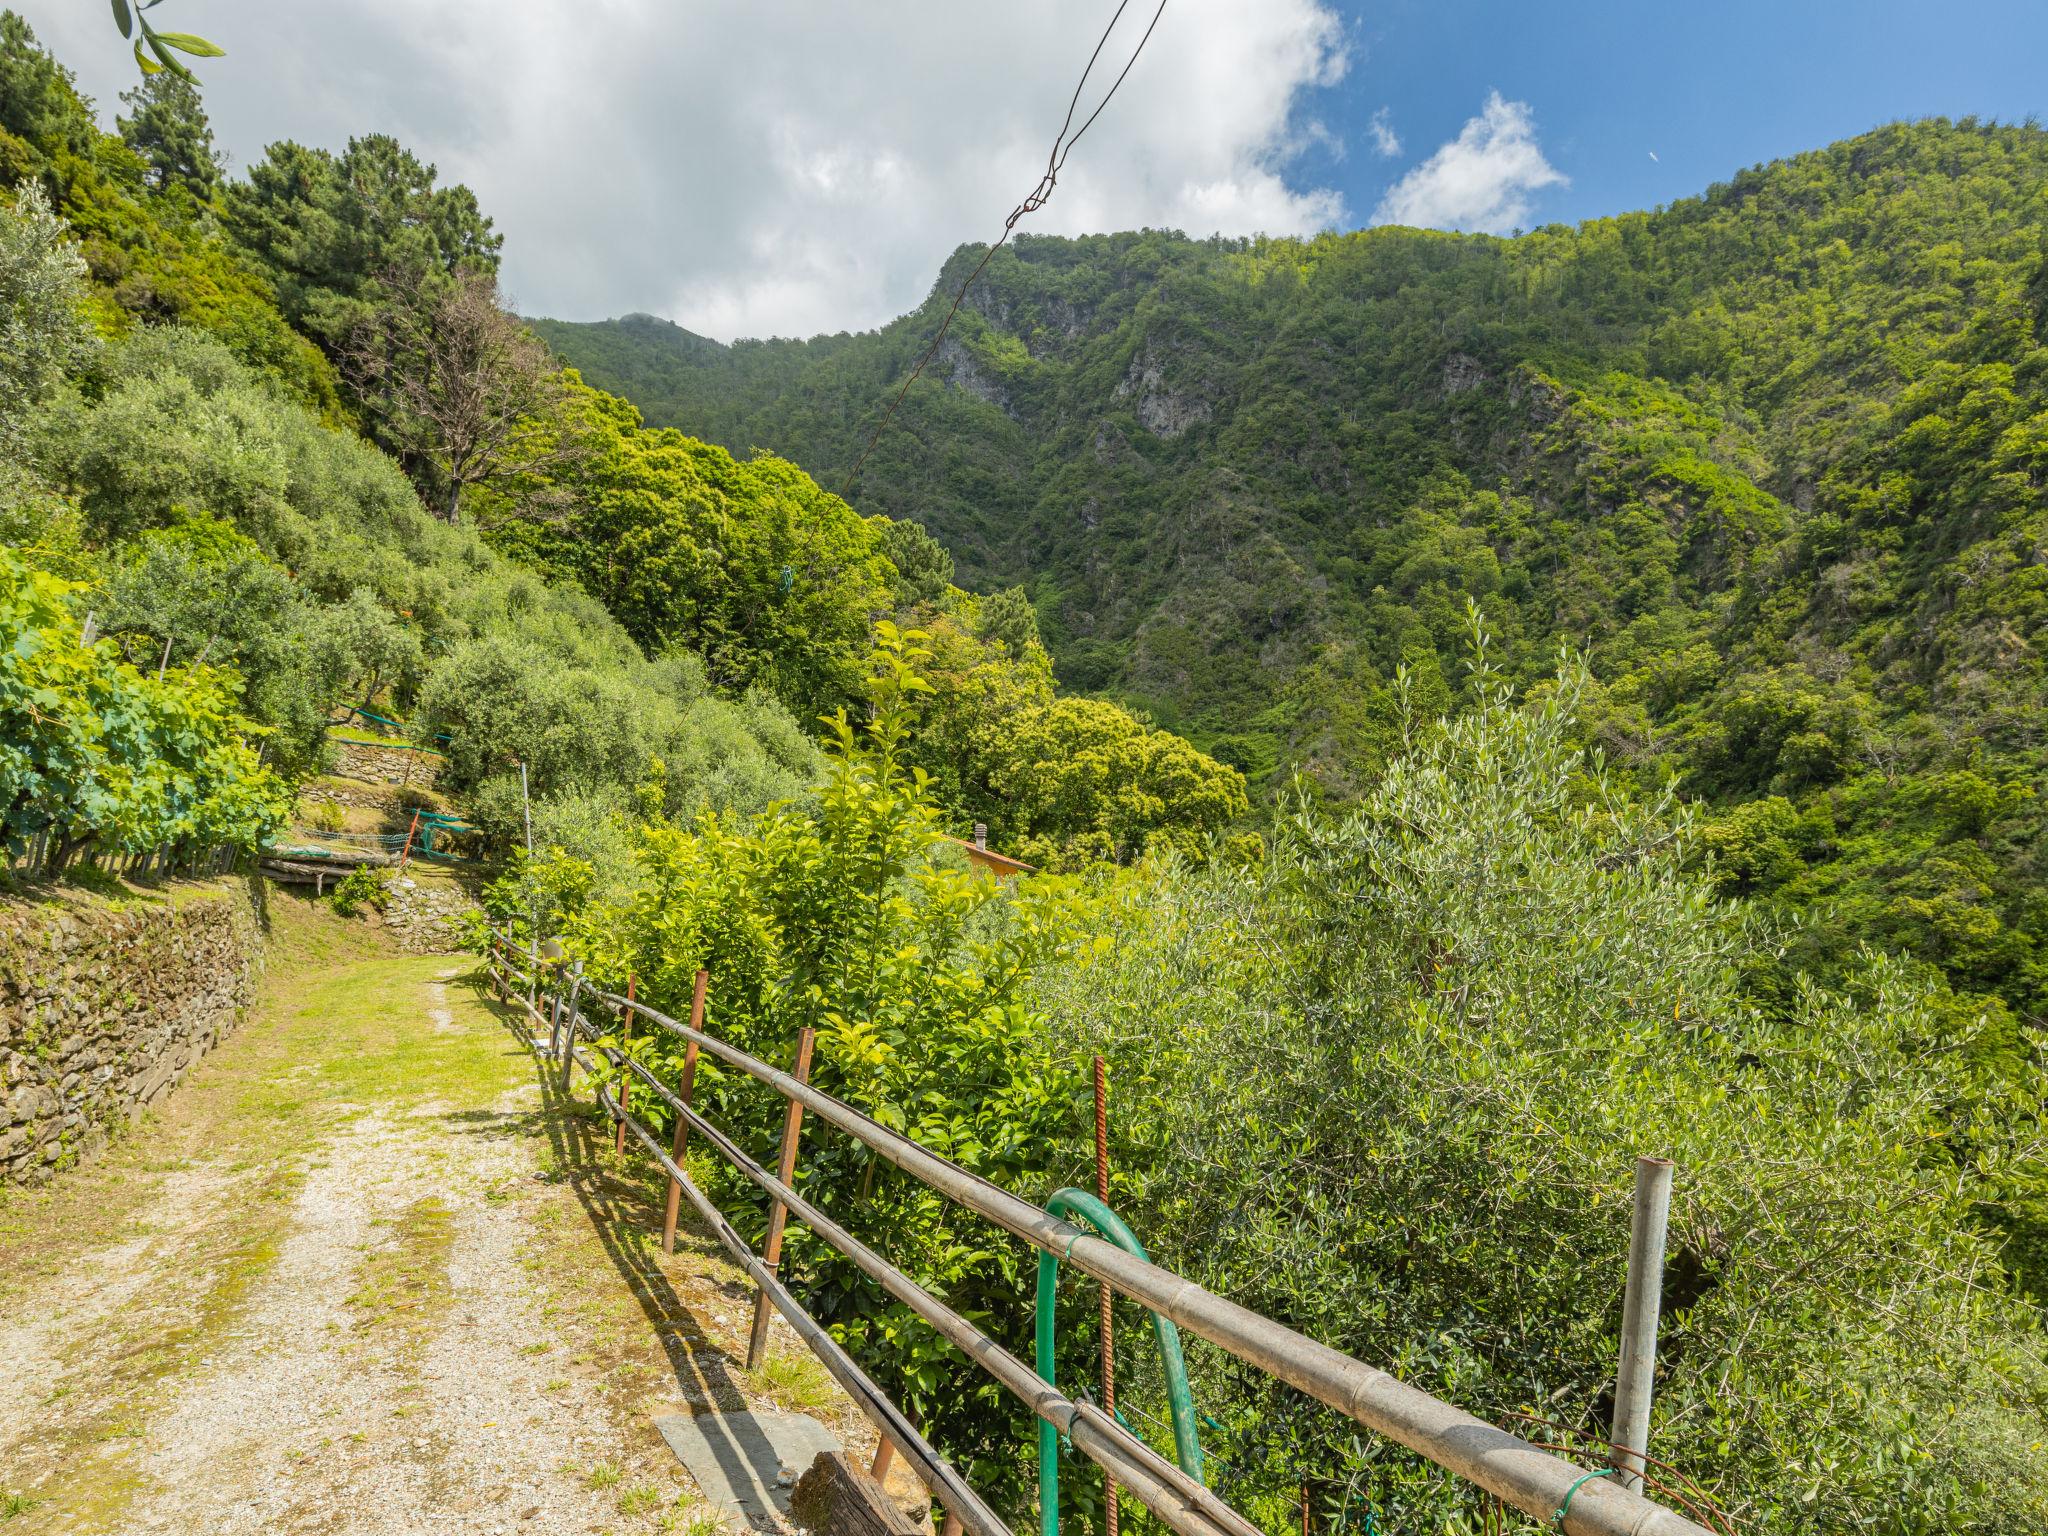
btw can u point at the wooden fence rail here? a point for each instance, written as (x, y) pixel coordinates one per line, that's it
(1578, 1500)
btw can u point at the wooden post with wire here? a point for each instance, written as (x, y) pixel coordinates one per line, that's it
(778, 1214)
(1109, 1492)
(625, 1082)
(682, 1130)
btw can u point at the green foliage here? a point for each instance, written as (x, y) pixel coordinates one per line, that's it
(1083, 780)
(845, 913)
(774, 580)
(1059, 782)
(132, 17)
(1772, 457)
(98, 754)
(362, 889)
(43, 330)
(153, 258)
(1433, 1034)
(924, 570)
(331, 232)
(168, 129)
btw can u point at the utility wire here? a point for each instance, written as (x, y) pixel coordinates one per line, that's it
(1062, 146)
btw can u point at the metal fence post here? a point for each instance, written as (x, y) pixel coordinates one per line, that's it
(682, 1130)
(771, 1250)
(1635, 1379)
(1110, 1511)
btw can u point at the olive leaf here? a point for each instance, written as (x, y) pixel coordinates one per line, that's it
(159, 45)
(186, 42)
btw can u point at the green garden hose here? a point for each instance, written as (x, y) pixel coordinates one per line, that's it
(1078, 1203)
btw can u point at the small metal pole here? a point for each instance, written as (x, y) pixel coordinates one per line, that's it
(885, 1455)
(625, 1078)
(952, 1525)
(1636, 1377)
(1110, 1501)
(526, 806)
(682, 1131)
(1304, 1508)
(771, 1250)
(405, 854)
(569, 1025)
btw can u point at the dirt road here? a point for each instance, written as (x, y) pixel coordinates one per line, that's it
(364, 1275)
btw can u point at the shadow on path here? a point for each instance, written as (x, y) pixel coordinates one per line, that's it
(625, 1213)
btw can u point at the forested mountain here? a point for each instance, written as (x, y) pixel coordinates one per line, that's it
(1773, 457)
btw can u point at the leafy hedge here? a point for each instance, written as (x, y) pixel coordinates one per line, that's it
(96, 754)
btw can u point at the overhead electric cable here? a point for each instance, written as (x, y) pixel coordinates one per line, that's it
(1062, 146)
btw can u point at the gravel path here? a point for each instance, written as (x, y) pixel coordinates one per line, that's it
(425, 1314)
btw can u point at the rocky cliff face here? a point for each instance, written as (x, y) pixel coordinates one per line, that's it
(104, 1006)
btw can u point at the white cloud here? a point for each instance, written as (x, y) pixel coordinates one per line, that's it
(1483, 179)
(1385, 142)
(782, 167)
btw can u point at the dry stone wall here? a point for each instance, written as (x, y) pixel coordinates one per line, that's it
(104, 1006)
(382, 765)
(427, 916)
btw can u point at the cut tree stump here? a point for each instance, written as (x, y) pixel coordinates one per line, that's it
(836, 1498)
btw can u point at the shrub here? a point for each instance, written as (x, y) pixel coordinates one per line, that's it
(101, 755)
(363, 887)
(1401, 1076)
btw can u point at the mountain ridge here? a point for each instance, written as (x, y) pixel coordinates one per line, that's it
(1769, 455)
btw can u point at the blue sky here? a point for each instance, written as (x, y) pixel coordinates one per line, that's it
(1710, 88)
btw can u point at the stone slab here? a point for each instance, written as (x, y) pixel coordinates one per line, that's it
(747, 1462)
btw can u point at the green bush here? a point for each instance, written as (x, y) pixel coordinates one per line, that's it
(1390, 1088)
(103, 756)
(845, 913)
(362, 889)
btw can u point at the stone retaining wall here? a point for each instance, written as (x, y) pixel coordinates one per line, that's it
(427, 915)
(383, 765)
(366, 797)
(104, 1006)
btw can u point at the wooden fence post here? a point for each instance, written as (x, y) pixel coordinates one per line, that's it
(569, 1026)
(625, 1076)
(771, 1250)
(682, 1130)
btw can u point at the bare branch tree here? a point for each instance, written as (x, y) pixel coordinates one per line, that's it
(457, 382)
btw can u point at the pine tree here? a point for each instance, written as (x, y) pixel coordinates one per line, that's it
(169, 130)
